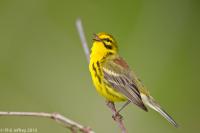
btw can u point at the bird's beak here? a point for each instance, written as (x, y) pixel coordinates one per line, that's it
(96, 38)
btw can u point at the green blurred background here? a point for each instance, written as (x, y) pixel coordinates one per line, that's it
(43, 66)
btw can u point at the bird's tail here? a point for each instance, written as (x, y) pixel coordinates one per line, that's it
(149, 101)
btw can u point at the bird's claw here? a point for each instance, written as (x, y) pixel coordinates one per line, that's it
(117, 116)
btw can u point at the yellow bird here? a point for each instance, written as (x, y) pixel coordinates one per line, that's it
(113, 78)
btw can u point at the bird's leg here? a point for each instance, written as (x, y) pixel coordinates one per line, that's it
(123, 106)
(116, 114)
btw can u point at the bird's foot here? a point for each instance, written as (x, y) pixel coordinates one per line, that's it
(117, 116)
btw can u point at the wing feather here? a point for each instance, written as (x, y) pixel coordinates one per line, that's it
(118, 75)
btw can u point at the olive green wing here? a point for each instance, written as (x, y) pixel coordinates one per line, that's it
(118, 75)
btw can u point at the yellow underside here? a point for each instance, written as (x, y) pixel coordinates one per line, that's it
(99, 51)
(106, 91)
(111, 95)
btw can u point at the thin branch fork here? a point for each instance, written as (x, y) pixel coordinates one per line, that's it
(72, 125)
(116, 116)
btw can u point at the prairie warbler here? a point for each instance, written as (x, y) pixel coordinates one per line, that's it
(113, 78)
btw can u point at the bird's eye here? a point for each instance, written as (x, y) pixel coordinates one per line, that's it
(107, 40)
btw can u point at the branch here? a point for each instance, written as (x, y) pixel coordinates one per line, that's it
(116, 116)
(82, 38)
(73, 126)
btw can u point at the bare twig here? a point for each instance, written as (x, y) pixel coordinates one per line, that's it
(83, 40)
(73, 126)
(116, 116)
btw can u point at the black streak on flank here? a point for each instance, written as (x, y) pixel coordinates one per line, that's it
(99, 69)
(96, 75)
(93, 67)
(99, 79)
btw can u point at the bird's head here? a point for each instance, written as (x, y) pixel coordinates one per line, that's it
(104, 44)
